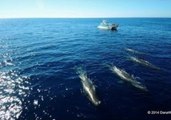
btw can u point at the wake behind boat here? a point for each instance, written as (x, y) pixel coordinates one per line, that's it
(104, 25)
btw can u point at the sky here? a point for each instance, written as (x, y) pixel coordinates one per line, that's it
(84, 8)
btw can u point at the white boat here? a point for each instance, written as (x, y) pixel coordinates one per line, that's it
(104, 25)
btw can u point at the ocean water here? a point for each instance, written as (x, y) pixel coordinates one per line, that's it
(39, 60)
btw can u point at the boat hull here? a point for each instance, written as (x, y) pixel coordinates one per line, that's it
(107, 28)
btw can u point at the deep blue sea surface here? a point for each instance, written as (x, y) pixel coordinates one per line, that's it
(39, 59)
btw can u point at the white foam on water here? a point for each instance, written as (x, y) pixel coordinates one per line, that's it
(8, 63)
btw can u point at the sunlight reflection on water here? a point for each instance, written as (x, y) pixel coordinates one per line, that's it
(13, 90)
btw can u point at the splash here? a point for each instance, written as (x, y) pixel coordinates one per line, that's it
(6, 63)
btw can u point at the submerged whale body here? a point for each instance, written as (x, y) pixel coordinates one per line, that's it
(133, 51)
(127, 77)
(143, 62)
(88, 87)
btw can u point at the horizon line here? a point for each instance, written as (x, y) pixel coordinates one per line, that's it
(75, 17)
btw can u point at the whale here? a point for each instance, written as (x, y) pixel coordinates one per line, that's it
(143, 62)
(88, 87)
(128, 78)
(133, 51)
